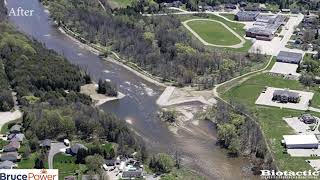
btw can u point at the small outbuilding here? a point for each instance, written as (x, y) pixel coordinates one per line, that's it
(300, 141)
(289, 57)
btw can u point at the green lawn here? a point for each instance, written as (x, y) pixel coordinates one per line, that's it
(270, 118)
(28, 163)
(237, 27)
(121, 3)
(228, 15)
(213, 32)
(66, 165)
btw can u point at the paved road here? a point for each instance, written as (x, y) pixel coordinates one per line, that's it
(239, 45)
(55, 149)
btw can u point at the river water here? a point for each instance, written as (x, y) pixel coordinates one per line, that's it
(196, 145)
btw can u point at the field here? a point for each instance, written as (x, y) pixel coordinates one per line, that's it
(120, 3)
(270, 118)
(213, 32)
(237, 27)
(228, 16)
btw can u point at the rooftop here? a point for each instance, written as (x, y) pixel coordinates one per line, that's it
(285, 92)
(300, 139)
(289, 56)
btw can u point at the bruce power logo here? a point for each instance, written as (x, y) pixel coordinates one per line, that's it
(29, 174)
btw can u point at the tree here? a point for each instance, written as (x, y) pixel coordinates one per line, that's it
(39, 164)
(94, 163)
(169, 116)
(162, 163)
(81, 156)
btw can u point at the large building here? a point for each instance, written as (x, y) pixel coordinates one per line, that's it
(265, 26)
(300, 141)
(289, 57)
(286, 96)
(246, 15)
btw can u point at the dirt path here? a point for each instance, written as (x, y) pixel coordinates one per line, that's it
(239, 45)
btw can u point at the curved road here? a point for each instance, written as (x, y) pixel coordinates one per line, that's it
(239, 45)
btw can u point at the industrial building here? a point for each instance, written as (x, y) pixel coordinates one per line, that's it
(265, 26)
(246, 15)
(289, 57)
(300, 141)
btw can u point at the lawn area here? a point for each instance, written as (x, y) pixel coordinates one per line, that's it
(5, 128)
(237, 27)
(120, 3)
(213, 32)
(228, 16)
(28, 163)
(66, 165)
(270, 118)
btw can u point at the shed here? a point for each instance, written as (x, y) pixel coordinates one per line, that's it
(289, 57)
(301, 141)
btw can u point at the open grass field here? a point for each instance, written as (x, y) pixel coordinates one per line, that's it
(270, 118)
(214, 32)
(228, 16)
(237, 27)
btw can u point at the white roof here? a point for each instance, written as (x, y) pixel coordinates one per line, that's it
(300, 139)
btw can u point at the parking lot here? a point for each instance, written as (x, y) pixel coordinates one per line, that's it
(265, 98)
(314, 163)
(285, 69)
(300, 127)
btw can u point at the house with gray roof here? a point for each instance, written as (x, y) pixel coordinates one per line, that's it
(15, 129)
(12, 146)
(45, 143)
(289, 57)
(286, 96)
(73, 150)
(246, 15)
(10, 156)
(7, 165)
(16, 137)
(131, 174)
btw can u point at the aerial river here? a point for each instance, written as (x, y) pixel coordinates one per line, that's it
(197, 149)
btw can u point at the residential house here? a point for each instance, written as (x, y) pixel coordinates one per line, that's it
(15, 129)
(131, 174)
(10, 156)
(12, 146)
(7, 165)
(16, 137)
(286, 96)
(45, 143)
(73, 150)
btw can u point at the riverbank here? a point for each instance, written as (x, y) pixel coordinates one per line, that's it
(141, 74)
(98, 99)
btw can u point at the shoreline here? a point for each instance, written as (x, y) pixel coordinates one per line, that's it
(110, 59)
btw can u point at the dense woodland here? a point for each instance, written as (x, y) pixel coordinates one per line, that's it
(159, 45)
(47, 87)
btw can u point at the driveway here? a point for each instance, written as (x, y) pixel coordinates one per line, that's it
(55, 149)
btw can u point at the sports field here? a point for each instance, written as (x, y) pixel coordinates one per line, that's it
(214, 32)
